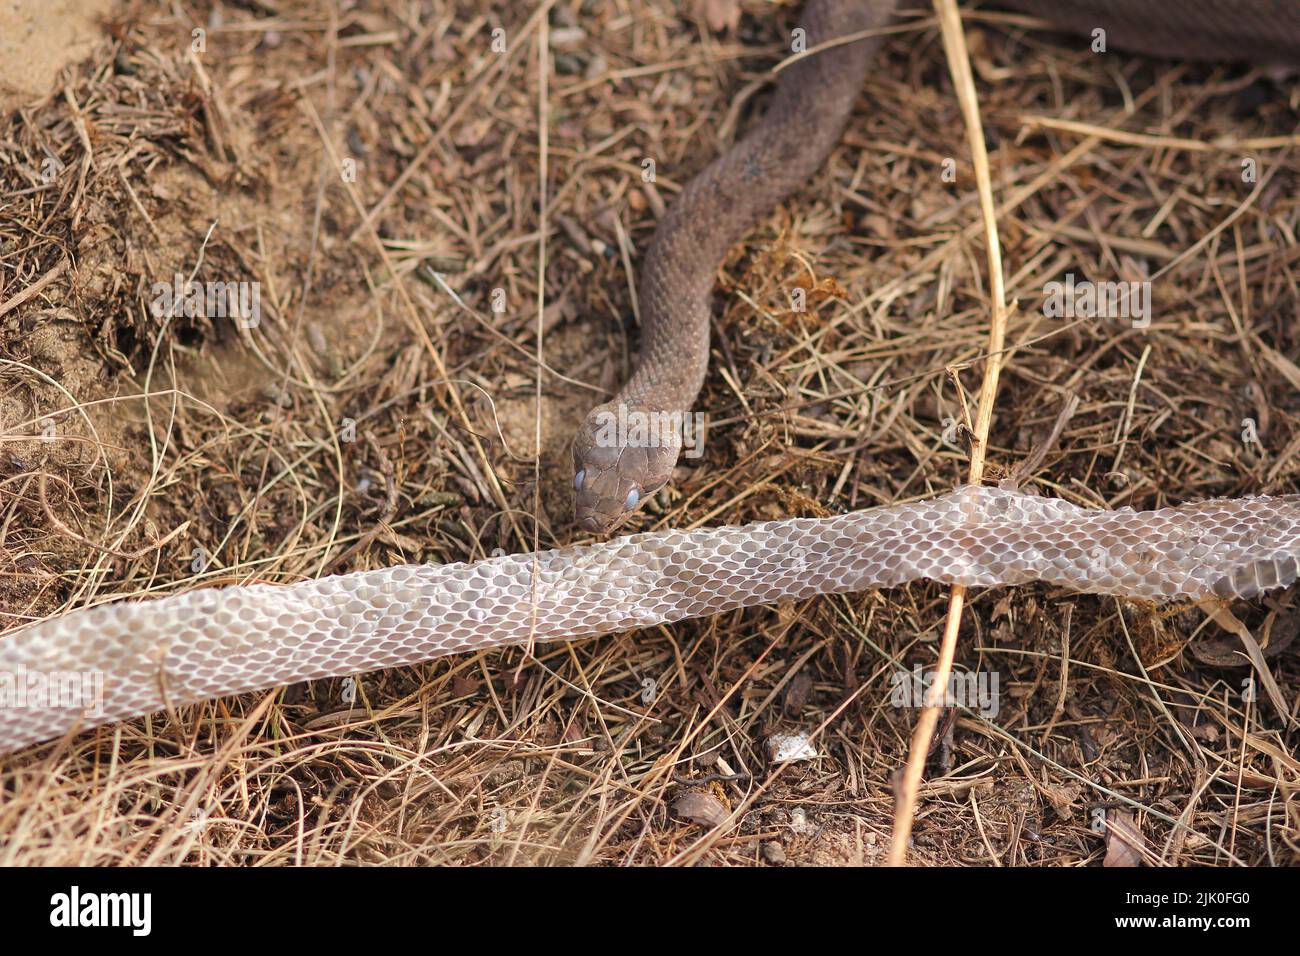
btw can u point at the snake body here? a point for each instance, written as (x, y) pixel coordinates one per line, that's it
(128, 659)
(207, 643)
(802, 124)
(812, 102)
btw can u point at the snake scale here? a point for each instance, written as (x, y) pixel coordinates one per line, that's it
(141, 657)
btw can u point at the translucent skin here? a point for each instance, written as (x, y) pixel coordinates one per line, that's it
(211, 642)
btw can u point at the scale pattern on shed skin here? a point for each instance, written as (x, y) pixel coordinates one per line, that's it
(213, 642)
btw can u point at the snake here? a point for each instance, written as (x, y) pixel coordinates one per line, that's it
(618, 470)
(126, 659)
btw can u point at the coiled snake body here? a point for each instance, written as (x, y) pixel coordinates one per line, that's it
(141, 657)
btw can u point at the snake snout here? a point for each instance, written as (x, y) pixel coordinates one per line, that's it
(591, 523)
(619, 463)
(598, 500)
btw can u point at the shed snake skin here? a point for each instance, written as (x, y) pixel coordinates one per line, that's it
(125, 660)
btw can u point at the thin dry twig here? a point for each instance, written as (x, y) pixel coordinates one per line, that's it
(954, 44)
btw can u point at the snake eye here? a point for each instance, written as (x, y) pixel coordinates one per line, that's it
(577, 479)
(633, 497)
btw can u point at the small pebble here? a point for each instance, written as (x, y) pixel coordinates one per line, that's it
(774, 853)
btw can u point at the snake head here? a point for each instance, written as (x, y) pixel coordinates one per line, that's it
(622, 455)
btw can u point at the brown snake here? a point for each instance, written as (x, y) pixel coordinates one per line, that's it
(615, 474)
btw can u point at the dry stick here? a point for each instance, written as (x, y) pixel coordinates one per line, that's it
(543, 175)
(1059, 708)
(1223, 145)
(954, 44)
(543, 141)
(911, 26)
(62, 527)
(34, 289)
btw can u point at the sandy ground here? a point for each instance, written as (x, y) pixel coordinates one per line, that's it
(40, 37)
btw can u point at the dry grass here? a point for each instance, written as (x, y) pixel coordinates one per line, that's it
(224, 164)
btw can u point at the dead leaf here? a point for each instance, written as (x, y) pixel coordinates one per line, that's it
(464, 685)
(702, 808)
(1062, 797)
(1124, 841)
(796, 694)
(818, 292)
(1279, 630)
(1229, 622)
